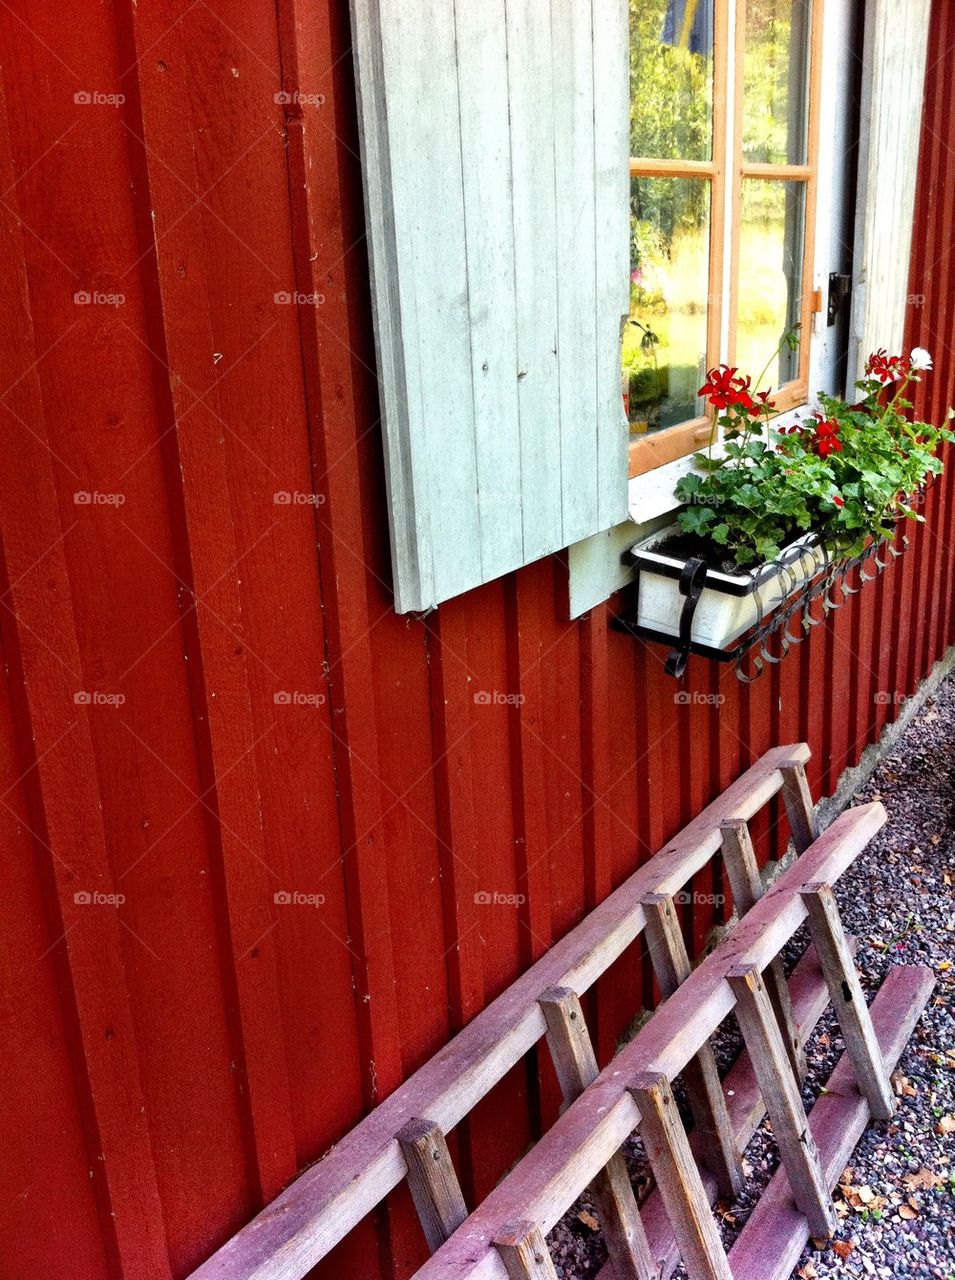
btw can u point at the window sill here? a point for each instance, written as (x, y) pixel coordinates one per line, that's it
(651, 494)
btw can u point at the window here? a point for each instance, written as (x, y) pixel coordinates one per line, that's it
(723, 109)
(507, 239)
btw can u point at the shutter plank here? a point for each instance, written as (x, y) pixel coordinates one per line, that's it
(421, 88)
(611, 53)
(392, 338)
(534, 195)
(489, 231)
(573, 99)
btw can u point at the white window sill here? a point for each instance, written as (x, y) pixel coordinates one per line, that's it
(651, 494)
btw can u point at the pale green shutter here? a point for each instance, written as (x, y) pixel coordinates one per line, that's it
(495, 149)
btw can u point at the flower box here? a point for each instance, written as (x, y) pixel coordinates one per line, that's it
(730, 603)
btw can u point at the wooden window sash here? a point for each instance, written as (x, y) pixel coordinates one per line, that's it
(660, 447)
(654, 450)
(795, 392)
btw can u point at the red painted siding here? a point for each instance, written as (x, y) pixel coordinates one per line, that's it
(271, 726)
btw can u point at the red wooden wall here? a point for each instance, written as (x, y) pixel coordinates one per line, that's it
(208, 701)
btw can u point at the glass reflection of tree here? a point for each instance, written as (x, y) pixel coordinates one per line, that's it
(671, 118)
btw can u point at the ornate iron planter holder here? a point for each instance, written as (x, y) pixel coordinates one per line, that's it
(811, 603)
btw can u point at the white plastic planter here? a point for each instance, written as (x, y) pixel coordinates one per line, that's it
(730, 603)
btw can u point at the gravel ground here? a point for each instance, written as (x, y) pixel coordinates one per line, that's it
(896, 1200)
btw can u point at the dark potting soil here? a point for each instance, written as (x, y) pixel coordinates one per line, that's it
(688, 546)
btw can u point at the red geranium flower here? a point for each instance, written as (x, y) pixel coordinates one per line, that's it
(725, 390)
(882, 367)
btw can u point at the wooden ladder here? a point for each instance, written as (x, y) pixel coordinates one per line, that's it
(505, 1236)
(406, 1137)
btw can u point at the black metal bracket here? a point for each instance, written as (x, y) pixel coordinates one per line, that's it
(832, 578)
(692, 582)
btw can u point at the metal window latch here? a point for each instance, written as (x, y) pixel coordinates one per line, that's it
(840, 287)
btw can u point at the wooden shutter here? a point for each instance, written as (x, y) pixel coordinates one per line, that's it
(495, 141)
(892, 91)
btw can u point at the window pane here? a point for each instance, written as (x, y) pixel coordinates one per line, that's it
(772, 235)
(776, 81)
(664, 345)
(671, 79)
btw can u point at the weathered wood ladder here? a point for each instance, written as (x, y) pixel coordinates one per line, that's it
(504, 1237)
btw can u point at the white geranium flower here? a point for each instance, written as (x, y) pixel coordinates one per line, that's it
(920, 359)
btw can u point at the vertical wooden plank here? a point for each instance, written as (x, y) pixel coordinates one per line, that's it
(754, 729)
(482, 915)
(903, 606)
(621, 995)
(861, 702)
(830, 711)
(596, 811)
(783, 1103)
(527, 595)
(843, 655)
(482, 71)
(572, 37)
(595, 754)
(526, 599)
(740, 859)
(848, 999)
(885, 588)
(700, 1075)
(451, 725)
(946, 622)
(799, 807)
(433, 1182)
(944, 385)
(52, 1225)
(656, 735)
(524, 1252)
(560, 682)
(342, 396)
(921, 535)
(60, 761)
(678, 1178)
(502, 1125)
(576, 1065)
(230, 709)
(537, 250)
(611, 77)
(937, 300)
